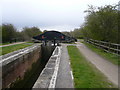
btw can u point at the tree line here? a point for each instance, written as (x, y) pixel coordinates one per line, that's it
(101, 23)
(11, 34)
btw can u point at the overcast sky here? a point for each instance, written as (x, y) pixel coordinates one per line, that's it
(61, 15)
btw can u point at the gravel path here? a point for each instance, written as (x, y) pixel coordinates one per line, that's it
(11, 44)
(107, 68)
(64, 78)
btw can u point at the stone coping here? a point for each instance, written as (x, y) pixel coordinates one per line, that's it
(47, 78)
(5, 59)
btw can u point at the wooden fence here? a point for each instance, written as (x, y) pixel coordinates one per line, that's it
(107, 46)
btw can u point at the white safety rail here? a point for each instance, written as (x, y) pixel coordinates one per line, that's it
(107, 46)
(54, 77)
(48, 76)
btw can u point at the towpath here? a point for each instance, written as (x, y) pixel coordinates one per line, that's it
(11, 44)
(107, 68)
(64, 77)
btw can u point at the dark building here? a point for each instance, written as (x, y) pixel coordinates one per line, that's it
(54, 37)
(50, 35)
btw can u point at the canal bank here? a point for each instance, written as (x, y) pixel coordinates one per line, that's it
(24, 66)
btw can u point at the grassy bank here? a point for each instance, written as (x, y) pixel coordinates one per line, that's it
(8, 49)
(85, 74)
(108, 56)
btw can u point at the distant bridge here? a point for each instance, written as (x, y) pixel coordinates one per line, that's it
(54, 37)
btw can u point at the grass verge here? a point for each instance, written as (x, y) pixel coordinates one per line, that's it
(85, 74)
(8, 49)
(108, 56)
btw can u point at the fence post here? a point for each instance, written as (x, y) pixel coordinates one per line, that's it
(117, 49)
(109, 46)
(99, 44)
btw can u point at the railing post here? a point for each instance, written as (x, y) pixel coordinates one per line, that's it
(99, 44)
(117, 49)
(109, 46)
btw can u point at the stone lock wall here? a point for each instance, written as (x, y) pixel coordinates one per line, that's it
(15, 66)
(47, 78)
